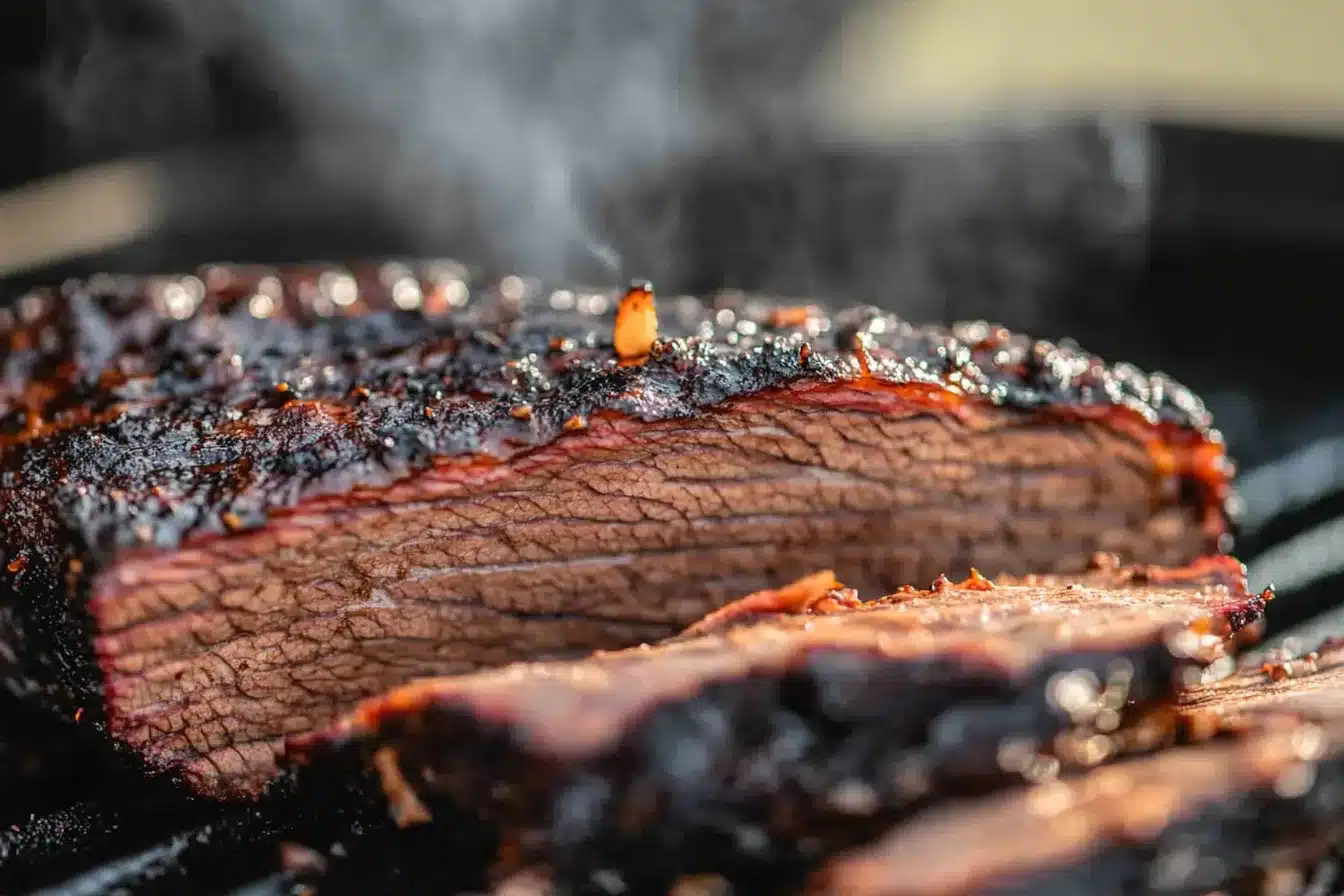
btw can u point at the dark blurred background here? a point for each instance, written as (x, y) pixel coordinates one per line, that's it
(1167, 188)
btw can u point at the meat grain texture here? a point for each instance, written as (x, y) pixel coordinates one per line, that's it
(234, 504)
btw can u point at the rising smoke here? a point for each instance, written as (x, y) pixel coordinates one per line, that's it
(516, 119)
(524, 114)
(526, 100)
(511, 111)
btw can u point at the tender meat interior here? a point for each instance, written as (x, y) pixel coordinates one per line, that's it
(612, 536)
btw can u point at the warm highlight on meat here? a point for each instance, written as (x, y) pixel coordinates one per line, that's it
(237, 503)
(1219, 581)
(1245, 814)
(783, 736)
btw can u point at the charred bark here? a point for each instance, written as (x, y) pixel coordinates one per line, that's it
(233, 505)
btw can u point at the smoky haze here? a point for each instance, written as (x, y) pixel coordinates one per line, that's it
(520, 133)
(526, 100)
(514, 115)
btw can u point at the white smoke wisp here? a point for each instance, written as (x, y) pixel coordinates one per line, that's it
(539, 136)
(526, 101)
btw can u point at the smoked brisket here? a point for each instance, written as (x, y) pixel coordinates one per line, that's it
(1251, 805)
(776, 737)
(234, 504)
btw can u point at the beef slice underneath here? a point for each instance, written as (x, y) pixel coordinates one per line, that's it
(1189, 820)
(226, 529)
(774, 741)
(1250, 806)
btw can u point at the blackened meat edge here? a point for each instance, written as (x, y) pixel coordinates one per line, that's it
(1250, 806)
(768, 742)
(235, 503)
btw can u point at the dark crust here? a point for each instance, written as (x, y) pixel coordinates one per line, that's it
(128, 433)
(872, 691)
(124, 428)
(243, 845)
(47, 761)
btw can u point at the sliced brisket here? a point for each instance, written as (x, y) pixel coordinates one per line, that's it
(769, 741)
(232, 505)
(1245, 813)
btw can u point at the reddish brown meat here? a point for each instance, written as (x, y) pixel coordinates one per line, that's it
(236, 504)
(1226, 813)
(795, 732)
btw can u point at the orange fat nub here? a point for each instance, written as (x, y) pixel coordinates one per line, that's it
(636, 324)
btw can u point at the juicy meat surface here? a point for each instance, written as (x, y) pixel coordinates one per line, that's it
(1256, 807)
(237, 503)
(780, 737)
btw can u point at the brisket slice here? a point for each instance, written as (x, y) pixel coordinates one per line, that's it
(772, 742)
(235, 504)
(1245, 813)
(1219, 581)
